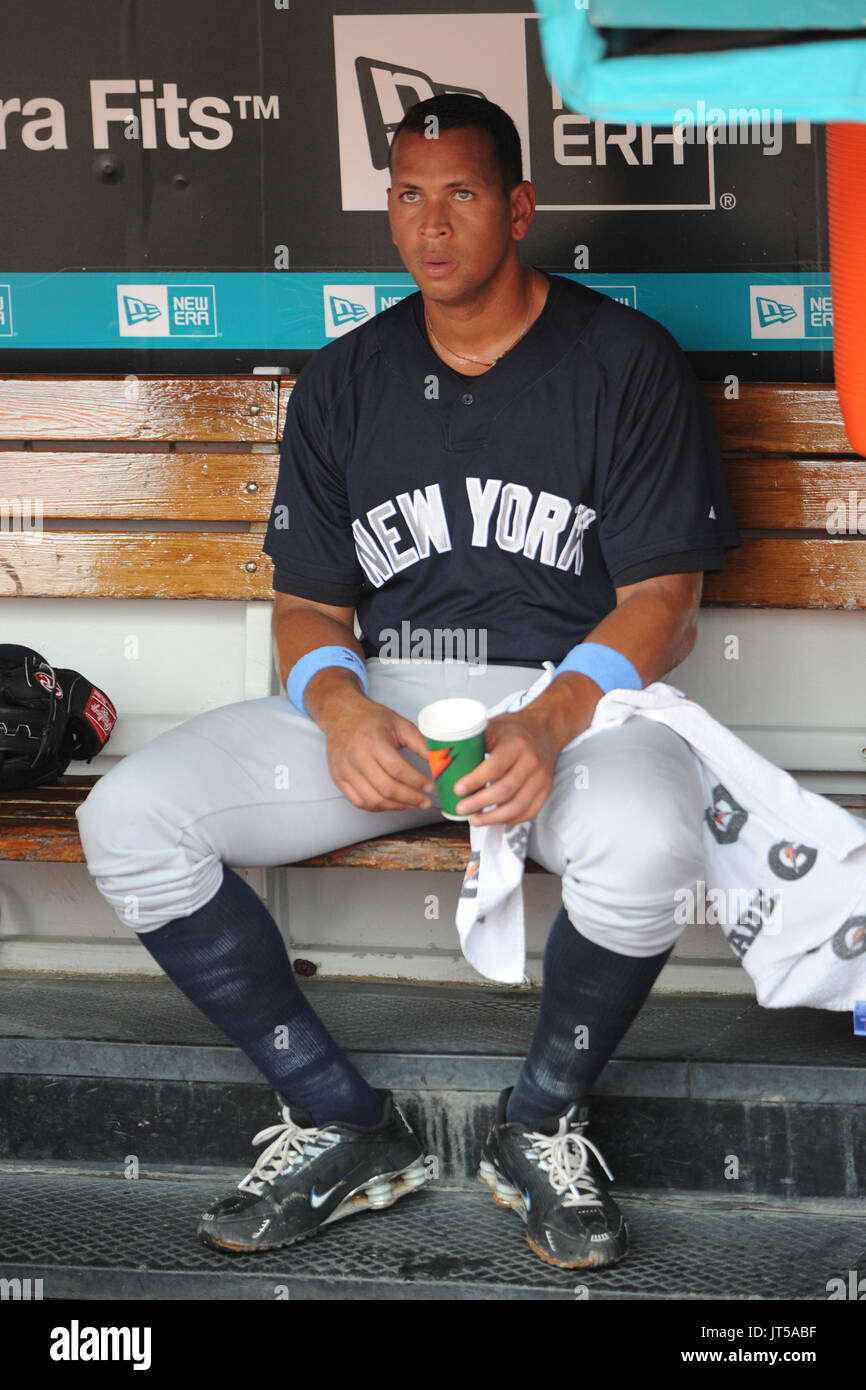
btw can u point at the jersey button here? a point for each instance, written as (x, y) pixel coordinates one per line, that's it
(467, 399)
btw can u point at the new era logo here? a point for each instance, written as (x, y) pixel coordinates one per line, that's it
(791, 311)
(772, 311)
(166, 311)
(346, 306)
(347, 311)
(136, 310)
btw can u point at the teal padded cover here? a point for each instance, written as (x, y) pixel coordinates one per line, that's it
(823, 80)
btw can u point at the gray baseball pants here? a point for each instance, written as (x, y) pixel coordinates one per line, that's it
(248, 785)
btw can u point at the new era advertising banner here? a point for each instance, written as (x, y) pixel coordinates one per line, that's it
(200, 186)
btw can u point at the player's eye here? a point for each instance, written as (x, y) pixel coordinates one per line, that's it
(467, 191)
(408, 194)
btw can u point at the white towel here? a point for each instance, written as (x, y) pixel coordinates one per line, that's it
(802, 937)
(490, 908)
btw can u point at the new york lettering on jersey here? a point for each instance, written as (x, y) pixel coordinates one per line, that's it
(546, 527)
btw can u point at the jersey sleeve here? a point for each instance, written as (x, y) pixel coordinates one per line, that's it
(309, 533)
(686, 562)
(665, 493)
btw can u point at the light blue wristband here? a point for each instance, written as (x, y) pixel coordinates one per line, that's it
(303, 671)
(606, 666)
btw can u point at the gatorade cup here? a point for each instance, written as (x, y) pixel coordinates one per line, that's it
(454, 733)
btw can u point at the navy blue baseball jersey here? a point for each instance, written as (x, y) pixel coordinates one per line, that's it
(512, 503)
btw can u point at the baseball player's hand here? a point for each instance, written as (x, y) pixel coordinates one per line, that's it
(522, 758)
(364, 741)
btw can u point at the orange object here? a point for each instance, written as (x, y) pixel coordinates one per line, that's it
(439, 758)
(846, 209)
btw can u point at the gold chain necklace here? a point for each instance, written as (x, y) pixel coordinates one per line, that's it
(463, 357)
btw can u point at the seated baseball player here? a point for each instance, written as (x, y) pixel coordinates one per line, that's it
(516, 457)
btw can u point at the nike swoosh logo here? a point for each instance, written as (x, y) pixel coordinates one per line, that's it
(317, 1198)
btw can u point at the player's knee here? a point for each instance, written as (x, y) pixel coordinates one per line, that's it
(643, 852)
(118, 817)
(657, 864)
(138, 860)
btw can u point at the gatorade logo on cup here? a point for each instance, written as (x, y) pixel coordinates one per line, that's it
(453, 730)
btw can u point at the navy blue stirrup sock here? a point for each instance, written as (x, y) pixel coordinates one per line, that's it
(589, 996)
(230, 960)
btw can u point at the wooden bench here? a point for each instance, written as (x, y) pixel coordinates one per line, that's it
(158, 449)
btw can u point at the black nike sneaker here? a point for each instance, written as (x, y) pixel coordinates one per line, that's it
(311, 1175)
(553, 1177)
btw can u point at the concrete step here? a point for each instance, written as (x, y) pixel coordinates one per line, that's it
(704, 1093)
(91, 1235)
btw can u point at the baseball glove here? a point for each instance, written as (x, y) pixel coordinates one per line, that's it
(48, 716)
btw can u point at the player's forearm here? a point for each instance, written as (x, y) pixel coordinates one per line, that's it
(300, 631)
(651, 632)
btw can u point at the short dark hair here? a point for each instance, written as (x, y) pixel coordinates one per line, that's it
(456, 111)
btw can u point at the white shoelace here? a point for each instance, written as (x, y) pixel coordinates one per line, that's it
(565, 1159)
(290, 1144)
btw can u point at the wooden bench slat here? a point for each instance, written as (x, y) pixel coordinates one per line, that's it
(141, 407)
(784, 493)
(135, 564)
(180, 487)
(778, 492)
(49, 842)
(40, 824)
(437, 847)
(779, 418)
(763, 572)
(772, 416)
(791, 573)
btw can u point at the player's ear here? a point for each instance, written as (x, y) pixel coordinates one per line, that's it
(522, 209)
